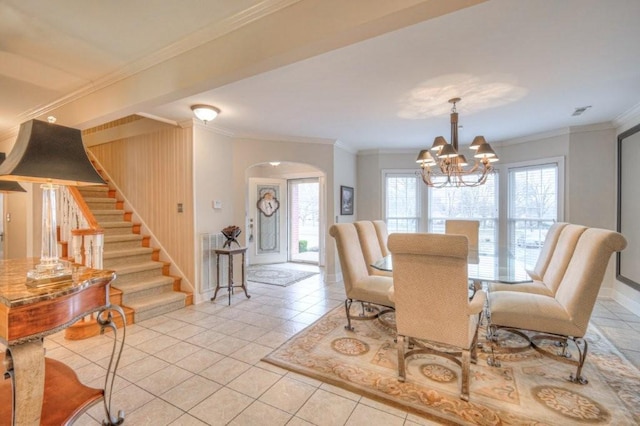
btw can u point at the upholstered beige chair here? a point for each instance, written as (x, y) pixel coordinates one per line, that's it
(469, 228)
(432, 300)
(370, 246)
(564, 315)
(550, 242)
(358, 284)
(556, 265)
(383, 235)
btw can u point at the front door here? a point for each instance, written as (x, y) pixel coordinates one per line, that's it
(267, 217)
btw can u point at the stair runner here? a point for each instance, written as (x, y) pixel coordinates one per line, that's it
(146, 287)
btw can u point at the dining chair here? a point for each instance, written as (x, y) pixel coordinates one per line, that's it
(563, 316)
(558, 261)
(546, 252)
(359, 286)
(370, 246)
(383, 235)
(468, 228)
(433, 312)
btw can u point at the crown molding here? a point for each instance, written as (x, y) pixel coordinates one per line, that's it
(388, 151)
(628, 119)
(189, 42)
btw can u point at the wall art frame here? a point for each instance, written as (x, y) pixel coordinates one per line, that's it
(346, 200)
(628, 209)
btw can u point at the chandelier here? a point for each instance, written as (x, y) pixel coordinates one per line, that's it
(449, 168)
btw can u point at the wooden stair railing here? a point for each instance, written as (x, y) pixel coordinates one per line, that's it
(83, 240)
(80, 230)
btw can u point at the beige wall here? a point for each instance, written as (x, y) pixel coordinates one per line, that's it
(250, 152)
(154, 172)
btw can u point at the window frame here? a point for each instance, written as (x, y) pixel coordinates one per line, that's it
(420, 197)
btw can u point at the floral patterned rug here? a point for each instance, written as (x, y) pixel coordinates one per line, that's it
(527, 389)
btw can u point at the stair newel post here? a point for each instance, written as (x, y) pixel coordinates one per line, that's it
(96, 245)
(77, 247)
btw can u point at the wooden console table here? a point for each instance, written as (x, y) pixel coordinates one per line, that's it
(230, 252)
(36, 395)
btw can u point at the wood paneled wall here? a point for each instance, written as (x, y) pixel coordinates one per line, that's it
(155, 173)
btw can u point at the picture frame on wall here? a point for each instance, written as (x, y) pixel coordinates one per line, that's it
(346, 200)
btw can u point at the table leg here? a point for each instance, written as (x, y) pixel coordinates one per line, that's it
(215, 293)
(24, 364)
(244, 280)
(230, 276)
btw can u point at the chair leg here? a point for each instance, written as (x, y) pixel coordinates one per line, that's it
(402, 374)
(347, 307)
(492, 337)
(582, 346)
(465, 360)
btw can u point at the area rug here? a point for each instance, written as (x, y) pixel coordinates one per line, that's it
(267, 274)
(527, 389)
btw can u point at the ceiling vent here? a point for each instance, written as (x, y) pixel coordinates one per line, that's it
(579, 110)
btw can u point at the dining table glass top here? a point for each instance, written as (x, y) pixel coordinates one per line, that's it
(489, 267)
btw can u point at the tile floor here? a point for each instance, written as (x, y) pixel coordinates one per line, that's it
(201, 365)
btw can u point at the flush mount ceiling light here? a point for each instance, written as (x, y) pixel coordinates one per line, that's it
(274, 163)
(205, 112)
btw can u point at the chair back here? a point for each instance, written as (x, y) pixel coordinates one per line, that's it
(469, 228)
(383, 236)
(582, 280)
(370, 246)
(562, 254)
(430, 287)
(550, 242)
(352, 260)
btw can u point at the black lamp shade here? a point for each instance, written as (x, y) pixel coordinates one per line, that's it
(47, 152)
(6, 185)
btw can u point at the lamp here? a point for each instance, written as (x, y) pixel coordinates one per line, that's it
(449, 165)
(8, 186)
(205, 112)
(52, 155)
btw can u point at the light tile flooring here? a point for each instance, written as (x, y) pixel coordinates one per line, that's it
(201, 364)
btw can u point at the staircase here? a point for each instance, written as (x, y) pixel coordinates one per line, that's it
(147, 288)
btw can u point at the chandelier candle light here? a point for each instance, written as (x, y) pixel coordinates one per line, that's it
(450, 167)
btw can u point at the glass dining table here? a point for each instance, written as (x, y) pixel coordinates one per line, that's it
(500, 266)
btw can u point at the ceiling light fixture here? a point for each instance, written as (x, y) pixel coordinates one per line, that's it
(274, 163)
(205, 112)
(450, 166)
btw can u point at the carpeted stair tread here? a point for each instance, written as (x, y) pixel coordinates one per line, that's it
(117, 224)
(136, 267)
(157, 305)
(126, 256)
(97, 212)
(140, 286)
(100, 200)
(124, 237)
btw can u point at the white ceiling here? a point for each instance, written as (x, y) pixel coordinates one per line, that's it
(520, 67)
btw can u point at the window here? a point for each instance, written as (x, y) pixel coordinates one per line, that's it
(471, 203)
(531, 197)
(402, 202)
(533, 208)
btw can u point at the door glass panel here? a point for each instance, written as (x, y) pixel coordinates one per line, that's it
(269, 219)
(304, 220)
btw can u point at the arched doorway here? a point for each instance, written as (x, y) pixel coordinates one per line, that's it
(285, 215)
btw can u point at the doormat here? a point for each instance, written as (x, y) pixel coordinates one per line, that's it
(267, 274)
(526, 390)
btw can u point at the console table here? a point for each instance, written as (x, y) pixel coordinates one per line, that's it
(230, 252)
(28, 313)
